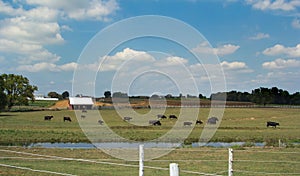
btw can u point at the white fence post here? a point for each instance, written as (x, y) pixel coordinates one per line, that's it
(141, 160)
(230, 162)
(174, 169)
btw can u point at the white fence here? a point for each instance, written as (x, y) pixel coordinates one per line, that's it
(235, 162)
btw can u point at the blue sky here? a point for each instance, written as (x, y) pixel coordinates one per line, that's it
(257, 42)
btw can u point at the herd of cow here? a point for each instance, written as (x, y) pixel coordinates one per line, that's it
(49, 117)
(157, 122)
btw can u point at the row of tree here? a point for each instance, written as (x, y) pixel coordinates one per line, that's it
(261, 95)
(62, 96)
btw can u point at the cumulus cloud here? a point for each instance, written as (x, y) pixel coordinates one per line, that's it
(282, 50)
(24, 30)
(274, 4)
(45, 66)
(296, 23)
(281, 64)
(30, 25)
(233, 65)
(205, 48)
(80, 10)
(259, 36)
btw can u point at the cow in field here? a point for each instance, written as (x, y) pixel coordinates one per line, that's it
(82, 116)
(173, 117)
(156, 123)
(199, 122)
(100, 122)
(84, 111)
(67, 119)
(48, 117)
(212, 120)
(187, 123)
(127, 118)
(152, 121)
(160, 116)
(272, 124)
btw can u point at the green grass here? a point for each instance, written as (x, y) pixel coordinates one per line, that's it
(257, 161)
(238, 124)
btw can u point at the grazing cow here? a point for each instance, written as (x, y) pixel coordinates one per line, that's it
(199, 122)
(187, 123)
(272, 124)
(84, 110)
(100, 122)
(212, 120)
(127, 118)
(151, 122)
(157, 123)
(67, 119)
(172, 117)
(160, 116)
(82, 116)
(48, 117)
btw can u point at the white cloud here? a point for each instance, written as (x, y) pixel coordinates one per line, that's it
(281, 64)
(282, 50)
(45, 66)
(296, 23)
(274, 5)
(233, 65)
(30, 25)
(259, 36)
(28, 53)
(22, 29)
(227, 49)
(80, 10)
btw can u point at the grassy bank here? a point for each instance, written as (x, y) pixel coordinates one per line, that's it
(238, 124)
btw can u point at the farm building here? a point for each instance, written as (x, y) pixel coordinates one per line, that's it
(81, 103)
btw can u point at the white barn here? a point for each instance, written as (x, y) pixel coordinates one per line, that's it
(81, 103)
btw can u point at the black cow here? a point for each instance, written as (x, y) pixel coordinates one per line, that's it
(160, 116)
(199, 122)
(187, 123)
(212, 120)
(157, 123)
(82, 116)
(100, 122)
(67, 119)
(151, 122)
(48, 117)
(127, 118)
(173, 117)
(272, 124)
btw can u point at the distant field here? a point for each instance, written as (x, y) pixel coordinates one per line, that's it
(238, 124)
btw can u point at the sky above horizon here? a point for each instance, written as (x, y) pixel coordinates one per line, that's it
(257, 43)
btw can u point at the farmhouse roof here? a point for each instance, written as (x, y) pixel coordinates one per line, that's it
(81, 101)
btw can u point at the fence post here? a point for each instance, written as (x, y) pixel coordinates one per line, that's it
(141, 160)
(230, 162)
(174, 169)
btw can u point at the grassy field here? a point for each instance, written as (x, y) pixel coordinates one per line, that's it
(192, 161)
(238, 124)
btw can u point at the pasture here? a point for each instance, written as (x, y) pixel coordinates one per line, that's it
(192, 161)
(238, 124)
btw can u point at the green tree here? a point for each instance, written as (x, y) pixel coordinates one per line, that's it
(65, 94)
(17, 89)
(2, 95)
(107, 94)
(54, 95)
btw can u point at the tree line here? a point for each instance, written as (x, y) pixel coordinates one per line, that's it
(261, 96)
